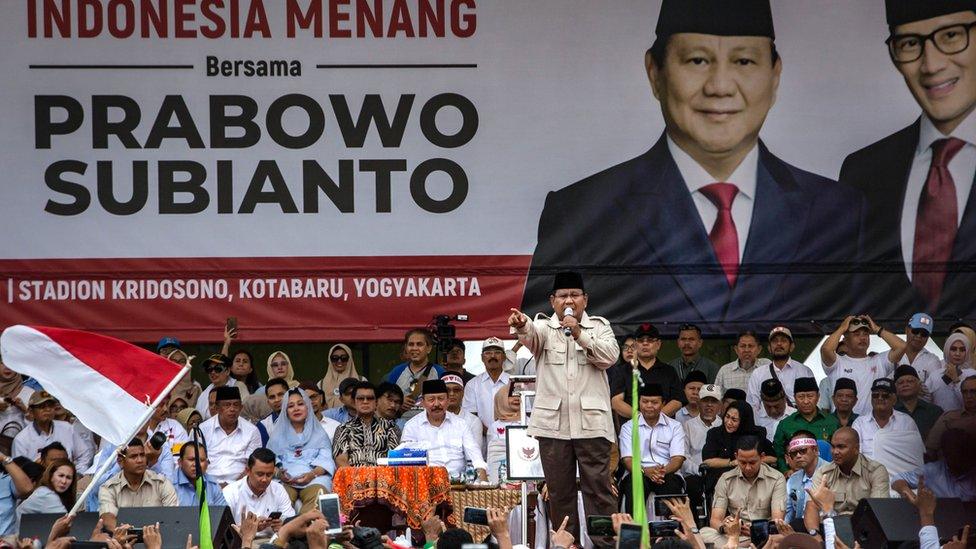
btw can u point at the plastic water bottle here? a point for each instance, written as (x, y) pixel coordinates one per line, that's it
(503, 472)
(470, 475)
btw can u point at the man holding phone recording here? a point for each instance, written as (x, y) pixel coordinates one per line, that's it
(260, 494)
(751, 491)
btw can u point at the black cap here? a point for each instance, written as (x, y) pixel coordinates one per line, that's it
(567, 280)
(805, 385)
(905, 370)
(883, 384)
(216, 358)
(228, 393)
(845, 383)
(736, 394)
(772, 389)
(695, 375)
(646, 330)
(651, 390)
(434, 386)
(900, 12)
(717, 17)
(347, 385)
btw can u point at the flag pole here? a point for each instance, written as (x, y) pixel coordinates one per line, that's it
(142, 422)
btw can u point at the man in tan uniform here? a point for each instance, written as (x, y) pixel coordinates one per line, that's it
(751, 491)
(571, 414)
(851, 477)
(134, 486)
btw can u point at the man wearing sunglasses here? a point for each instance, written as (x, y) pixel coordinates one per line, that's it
(884, 417)
(217, 367)
(918, 182)
(925, 362)
(802, 449)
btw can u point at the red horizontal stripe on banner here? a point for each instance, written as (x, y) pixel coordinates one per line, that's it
(274, 298)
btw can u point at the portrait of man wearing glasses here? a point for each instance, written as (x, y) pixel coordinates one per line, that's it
(918, 182)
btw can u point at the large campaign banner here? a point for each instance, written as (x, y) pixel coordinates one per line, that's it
(347, 169)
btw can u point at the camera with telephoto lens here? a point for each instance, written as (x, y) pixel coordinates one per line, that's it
(444, 332)
(157, 440)
(366, 538)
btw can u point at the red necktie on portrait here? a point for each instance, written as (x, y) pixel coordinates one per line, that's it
(723, 236)
(936, 222)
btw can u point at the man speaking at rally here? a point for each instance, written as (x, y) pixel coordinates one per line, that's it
(708, 226)
(571, 415)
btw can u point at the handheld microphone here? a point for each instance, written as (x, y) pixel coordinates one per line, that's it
(567, 312)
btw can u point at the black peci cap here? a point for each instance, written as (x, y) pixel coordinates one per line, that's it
(717, 17)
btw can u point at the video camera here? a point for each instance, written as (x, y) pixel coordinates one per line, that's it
(443, 332)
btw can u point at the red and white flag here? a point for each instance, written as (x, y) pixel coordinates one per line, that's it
(106, 383)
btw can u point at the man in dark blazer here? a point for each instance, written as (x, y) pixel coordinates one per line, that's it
(708, 226)
(919, 247)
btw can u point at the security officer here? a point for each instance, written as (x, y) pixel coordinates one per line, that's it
(571, 415)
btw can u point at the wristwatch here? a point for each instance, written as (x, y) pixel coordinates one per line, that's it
(8, 460)
(813, 532)
(694, 530)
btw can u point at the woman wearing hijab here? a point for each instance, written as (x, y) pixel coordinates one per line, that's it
(971, 336)
(944, 388)
(56, 491)
(13, 404)
(186, 388)
(279, 365)
(189, 418)
(718, 453)
(304, 451)
(341, 366)
(507, 413)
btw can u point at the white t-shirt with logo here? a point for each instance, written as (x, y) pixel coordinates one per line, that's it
(863, 371)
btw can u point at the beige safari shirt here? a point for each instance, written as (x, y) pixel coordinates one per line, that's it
(868, 479)
(572, 393)
(755, 499)
(155, 491)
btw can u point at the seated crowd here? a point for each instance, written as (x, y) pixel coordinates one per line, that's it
(754, 439)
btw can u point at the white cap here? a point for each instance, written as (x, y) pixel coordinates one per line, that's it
(492, 342)
(710, 390)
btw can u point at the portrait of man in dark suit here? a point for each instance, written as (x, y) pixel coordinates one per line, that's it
(708, 226)
(919, 248)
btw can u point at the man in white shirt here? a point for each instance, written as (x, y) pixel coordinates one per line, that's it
(773, 407)
(44, 430)
(257, 492)
(694, 381)
(783, 367)
(709, 415)
(856, 364)
(925, 362)
(229, 439)
(662, 447)
(445, 435)
(455, 394)
(479, 393)
(736, 374)
(883, 417)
